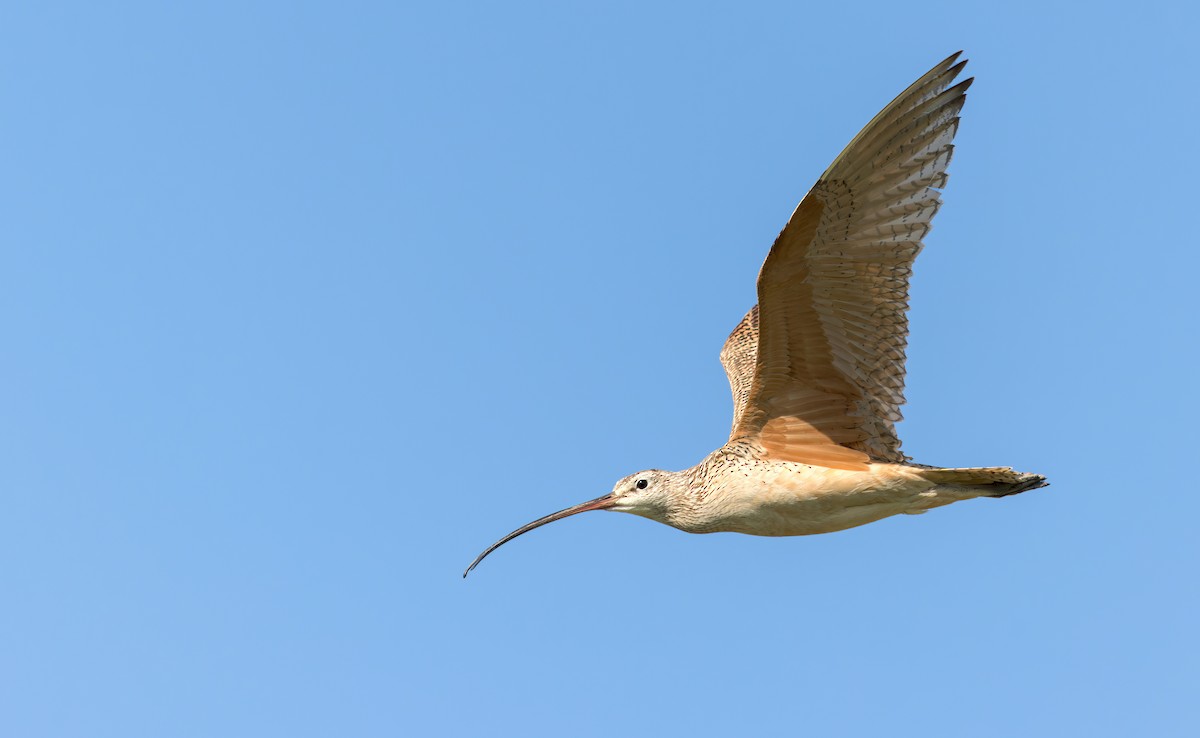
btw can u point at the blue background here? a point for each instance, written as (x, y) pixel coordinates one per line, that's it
(302, 305)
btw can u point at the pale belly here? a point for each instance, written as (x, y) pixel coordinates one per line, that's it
(788, 499)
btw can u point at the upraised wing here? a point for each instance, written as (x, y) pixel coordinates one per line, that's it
(820, 378)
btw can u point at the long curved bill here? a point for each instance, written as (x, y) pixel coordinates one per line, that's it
(600, 503)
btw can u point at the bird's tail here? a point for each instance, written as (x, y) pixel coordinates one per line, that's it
(990, 481)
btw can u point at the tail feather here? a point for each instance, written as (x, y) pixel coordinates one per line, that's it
(991, 481)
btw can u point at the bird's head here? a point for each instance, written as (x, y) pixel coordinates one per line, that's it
(647, 493)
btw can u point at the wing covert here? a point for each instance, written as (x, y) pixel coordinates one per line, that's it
(738, 356)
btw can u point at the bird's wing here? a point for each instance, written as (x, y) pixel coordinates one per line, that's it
(828, 375)
(738, 356)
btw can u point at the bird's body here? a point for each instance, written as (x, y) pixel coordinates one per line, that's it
(817, 367)
(734, 490)
(737, 489)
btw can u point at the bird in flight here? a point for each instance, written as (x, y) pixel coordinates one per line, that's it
(817, 366)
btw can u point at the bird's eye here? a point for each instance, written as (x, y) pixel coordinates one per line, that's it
(641, 484)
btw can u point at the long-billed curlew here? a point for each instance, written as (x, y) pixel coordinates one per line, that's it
(817, 367)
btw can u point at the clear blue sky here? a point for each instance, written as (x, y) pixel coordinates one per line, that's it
(302, 305)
